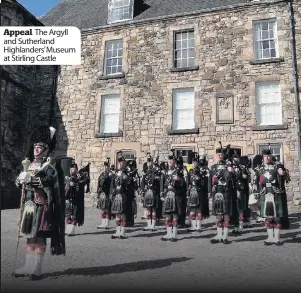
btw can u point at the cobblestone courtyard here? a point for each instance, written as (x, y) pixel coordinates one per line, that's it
(96, 262)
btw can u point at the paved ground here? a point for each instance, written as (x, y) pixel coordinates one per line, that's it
(96, 262)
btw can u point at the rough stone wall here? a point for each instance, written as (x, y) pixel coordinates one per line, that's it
(26, 103)
(297, 10)
(297, 16)
(223, 53)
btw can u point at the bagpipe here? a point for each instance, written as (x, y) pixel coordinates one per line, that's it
(233, 158)
(258, 161)
(82, 176)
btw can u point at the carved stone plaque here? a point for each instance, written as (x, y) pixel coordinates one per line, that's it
(224, 109)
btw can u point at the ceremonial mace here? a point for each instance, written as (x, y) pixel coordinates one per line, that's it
(25, 164)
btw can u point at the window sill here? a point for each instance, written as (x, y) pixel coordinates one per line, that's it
(193, 68)
(108, 135)
(266, 61)
(270, 127)
(114, 76)
(183, 131)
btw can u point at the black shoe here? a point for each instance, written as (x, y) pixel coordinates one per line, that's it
(226, 241)
(266, 243)
(114, 237)
(215, 241)
(164, 239)
(191, 230)
(35, 278)
(278, 243)
(173, 239)
(122, 237)
(236, 233)
(146, 229)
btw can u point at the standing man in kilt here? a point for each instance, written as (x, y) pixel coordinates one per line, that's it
(132, 189)
(184, 171)
(241, 178)
(42, 213)
(197, 193)
(103, 193)
(172, 194)
(75, 197)
(118, 195)
(270, 179)
(222, 190)
(150, 188)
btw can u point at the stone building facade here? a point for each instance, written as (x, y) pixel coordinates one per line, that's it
(27, 100)
(175, 76)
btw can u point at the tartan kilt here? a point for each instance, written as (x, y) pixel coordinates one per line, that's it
(104, 202)
(279, 201)
(173, 206)
(118, 204)
(150, 199)
(228, 200)
(203, 205)
(242, 201)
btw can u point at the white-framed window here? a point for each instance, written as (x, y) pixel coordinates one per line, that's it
(276, 150)
(184, 49)
(110, 114)
(186, 152)
(113, 57)
(183, 109)
(268, 103)
(120, 10)
(265, 39)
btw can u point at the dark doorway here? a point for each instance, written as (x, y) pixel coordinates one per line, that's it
(233, 150)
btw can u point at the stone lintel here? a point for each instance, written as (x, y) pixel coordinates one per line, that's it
(183, 131)
(193, 68)
(283, 126)
(109, 135)
(115, 76)
(266, 61)
(223, 95)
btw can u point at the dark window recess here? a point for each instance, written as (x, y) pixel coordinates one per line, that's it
(233, 150)
(128, 155)
(186, 154)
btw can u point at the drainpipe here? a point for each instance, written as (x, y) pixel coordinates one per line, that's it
(295, 78)
(53, 95)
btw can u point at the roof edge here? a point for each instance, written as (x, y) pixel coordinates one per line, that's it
(167, 17)
(16, 3)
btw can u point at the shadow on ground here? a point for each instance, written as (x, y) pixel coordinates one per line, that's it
(118, 269)
(283, 238)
